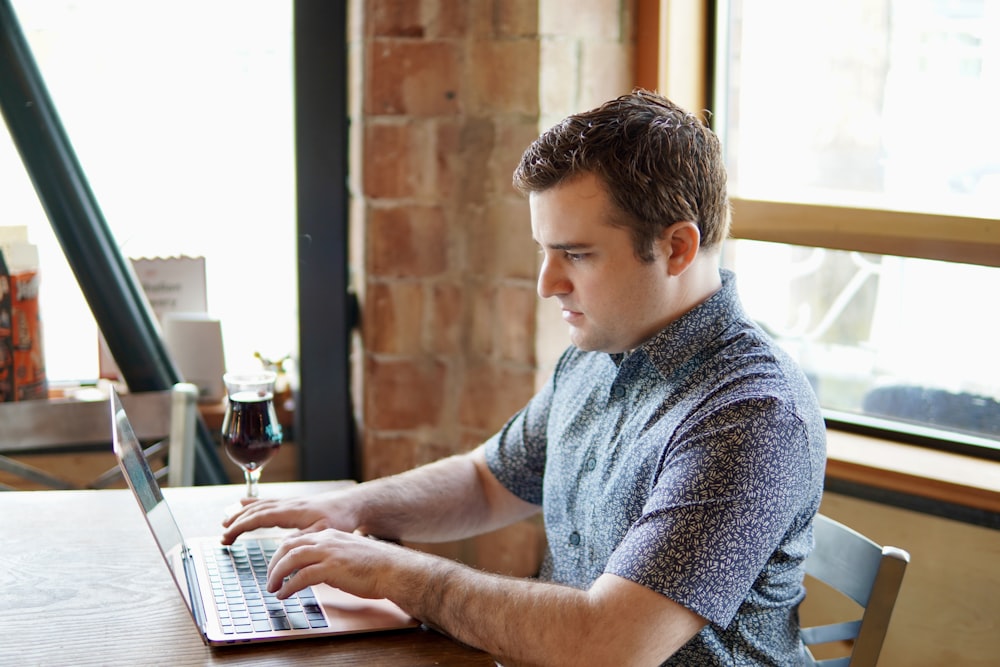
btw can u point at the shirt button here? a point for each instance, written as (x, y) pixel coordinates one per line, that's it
(618, 391)
(574, 538)
(591, 463)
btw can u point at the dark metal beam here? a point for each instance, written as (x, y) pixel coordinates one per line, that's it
(324, 428)
(115, 296)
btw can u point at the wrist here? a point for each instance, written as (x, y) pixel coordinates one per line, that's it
(360, 510)
(423, 584)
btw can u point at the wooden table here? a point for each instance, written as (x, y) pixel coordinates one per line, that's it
(82, 583)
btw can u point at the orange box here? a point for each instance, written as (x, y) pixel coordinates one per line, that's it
(6, 338)
(26, 335)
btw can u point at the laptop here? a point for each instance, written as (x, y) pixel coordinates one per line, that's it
(224, 587)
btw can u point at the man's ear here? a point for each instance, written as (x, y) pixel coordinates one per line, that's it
(679, 244)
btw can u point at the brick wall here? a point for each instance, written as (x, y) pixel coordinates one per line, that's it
(446, 94)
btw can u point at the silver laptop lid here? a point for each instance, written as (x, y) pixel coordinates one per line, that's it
(147, 491)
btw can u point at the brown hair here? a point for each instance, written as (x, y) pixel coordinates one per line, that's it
(659, 163)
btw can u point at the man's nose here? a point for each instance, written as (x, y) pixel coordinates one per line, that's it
(551, 280)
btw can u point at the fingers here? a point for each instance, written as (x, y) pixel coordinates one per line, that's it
(304, 514)
(354, 564)
(232, 517)
(255, 514)
(296, 581)
(294, 567)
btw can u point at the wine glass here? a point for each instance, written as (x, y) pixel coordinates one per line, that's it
(251, 432)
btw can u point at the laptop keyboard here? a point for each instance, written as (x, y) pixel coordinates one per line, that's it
(238, 574)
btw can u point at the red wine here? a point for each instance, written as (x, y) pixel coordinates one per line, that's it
(250, 429)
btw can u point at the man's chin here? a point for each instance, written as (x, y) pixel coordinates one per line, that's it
(577, 339)
(589, 344)
(581, 341)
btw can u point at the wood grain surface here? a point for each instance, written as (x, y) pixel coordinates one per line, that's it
(82, 583)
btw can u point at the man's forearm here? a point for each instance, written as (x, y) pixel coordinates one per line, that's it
(527, 622)
(441, 501)
(511, 619)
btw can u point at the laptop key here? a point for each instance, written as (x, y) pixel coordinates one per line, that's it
(298, 620)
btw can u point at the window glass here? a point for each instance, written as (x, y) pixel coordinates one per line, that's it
(876, 103)
(890, 337)
(181, 115)
(871, 104)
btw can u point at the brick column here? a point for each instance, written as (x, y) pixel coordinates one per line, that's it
(447, 102)
(445, 97)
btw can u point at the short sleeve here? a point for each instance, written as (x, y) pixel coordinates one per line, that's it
(720, 507)
(516, 454)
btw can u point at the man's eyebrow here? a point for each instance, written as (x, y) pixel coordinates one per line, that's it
(565, 246)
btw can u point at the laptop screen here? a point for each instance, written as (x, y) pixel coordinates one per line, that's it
(142, 481)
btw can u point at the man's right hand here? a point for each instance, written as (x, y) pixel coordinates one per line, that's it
(307, 514)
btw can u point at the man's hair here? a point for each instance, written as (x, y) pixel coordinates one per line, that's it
(659, 163)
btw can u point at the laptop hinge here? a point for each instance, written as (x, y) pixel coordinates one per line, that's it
(194, 592)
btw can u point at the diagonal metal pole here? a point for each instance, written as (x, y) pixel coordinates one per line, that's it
(106, 279)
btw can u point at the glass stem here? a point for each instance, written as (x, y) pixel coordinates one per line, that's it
(252, 477)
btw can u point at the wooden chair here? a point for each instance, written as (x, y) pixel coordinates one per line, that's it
(34, 433)
(863, 571)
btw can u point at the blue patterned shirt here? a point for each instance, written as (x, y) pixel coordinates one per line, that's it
(692, 466)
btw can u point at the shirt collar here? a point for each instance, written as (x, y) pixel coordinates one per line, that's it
(673, 346)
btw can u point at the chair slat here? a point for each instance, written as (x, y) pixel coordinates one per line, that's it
(865, 572)
(32, 474)
(38, 428)
(833, 632)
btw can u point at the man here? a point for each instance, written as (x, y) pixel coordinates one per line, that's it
(676, 453)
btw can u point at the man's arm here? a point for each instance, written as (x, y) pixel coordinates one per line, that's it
(450, 499)
(518, 621)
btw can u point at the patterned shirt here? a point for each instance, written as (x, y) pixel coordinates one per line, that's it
(692, 465)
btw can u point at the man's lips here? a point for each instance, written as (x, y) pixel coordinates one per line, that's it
(569, 315)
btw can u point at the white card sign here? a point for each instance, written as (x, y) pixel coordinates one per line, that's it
(173, 286)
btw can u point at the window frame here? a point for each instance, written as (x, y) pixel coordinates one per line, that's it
(328, 310)
(947, 238)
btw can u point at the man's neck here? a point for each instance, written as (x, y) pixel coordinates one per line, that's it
(698, 282)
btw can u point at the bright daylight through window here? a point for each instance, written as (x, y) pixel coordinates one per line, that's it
(181, 115)
(877, 105)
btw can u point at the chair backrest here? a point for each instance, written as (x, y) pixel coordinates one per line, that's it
(865, 572)
(38, 430)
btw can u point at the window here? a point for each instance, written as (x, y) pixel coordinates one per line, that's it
(862, 152)
(181, 116)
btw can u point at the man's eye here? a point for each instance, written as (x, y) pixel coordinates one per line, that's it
(575, 256)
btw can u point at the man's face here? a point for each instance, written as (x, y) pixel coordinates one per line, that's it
(611, 300)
